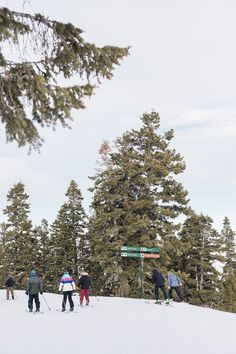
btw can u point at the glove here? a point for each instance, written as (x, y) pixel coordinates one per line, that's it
(41, 292)
(26, 293)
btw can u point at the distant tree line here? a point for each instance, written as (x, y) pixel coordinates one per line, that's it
(136, 201)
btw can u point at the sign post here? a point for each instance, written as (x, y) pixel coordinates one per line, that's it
(141, 253)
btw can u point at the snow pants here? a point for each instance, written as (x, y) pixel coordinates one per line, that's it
(84, 293)
(10, 290)
(35, 298)
(162, 288)
(178, 292)
(67, 294)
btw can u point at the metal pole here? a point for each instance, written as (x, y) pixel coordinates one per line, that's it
(141, 275)
(46, 302)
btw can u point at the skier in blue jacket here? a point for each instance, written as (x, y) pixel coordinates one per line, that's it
(174, 283)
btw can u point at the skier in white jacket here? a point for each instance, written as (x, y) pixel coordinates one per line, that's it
(67, 286)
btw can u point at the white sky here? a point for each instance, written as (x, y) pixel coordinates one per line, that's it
(182, 64)
(114, 326)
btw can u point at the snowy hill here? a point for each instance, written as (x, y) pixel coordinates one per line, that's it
(114, 326)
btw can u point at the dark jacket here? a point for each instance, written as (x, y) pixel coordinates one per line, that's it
(84, 281)
(10, 282)
(157, 278)
(34, 285)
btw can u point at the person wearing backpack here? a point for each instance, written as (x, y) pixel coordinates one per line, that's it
(174, 283)
(84, 284)
(34, 286)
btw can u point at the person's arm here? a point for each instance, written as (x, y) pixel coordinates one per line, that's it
(60, 286)
(27, 287)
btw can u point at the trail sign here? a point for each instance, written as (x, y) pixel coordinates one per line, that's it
(141, 253)
(140, 249)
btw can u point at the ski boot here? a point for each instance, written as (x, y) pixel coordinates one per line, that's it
(158, 302)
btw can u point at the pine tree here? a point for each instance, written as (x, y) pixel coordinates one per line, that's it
(41, 233)
(135, 201)
(227, 299)
(20, 246)
(203, 248)
(228, 236)
(66, 233)
(43, 54)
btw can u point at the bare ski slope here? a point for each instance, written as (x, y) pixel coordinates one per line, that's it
(114, 326)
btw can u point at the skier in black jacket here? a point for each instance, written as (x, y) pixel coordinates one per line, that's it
(84, 284)
(159, 281)
(9, 286)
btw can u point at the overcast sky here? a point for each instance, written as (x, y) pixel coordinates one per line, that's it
(182, 63)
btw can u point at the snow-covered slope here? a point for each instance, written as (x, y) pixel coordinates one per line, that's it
(114, 326)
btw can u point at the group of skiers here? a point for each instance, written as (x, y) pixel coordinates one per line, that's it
(174, 284)
(67, 287)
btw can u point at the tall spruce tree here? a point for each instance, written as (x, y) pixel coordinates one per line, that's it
(228, 236)
(136, 198)
(43, 55)
(66, 233)
(20, 246)
(202, 249)
(41, 233)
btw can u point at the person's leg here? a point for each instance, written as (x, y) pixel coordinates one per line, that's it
(30, 302)
(12, 293)
(156, 292)
(64, 300)
(82, 293)
(37, 302)
(87, 296)
(179, 293)
(70, 300)
(7, 293)
(164, 292)
(171, 293)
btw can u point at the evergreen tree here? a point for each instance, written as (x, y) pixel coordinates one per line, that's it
(67, 233)
(41, 233)
(44, 53)
(228, 236)
(135, 201)
(227, 301)
(202, 249)
(20, 246)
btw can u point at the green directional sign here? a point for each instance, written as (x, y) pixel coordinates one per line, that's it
(130, 248)
(140, 249)
(141, 253)
(128, 254)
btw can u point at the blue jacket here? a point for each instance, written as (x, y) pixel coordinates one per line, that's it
(173, 280)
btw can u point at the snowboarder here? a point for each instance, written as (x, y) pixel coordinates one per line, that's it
(67, 286)
(84, 284)
(159, 281)
(9, 287)
(34, 286)
(174, 283)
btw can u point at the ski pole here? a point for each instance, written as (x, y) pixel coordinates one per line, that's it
(92, 294)
(46, 302)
